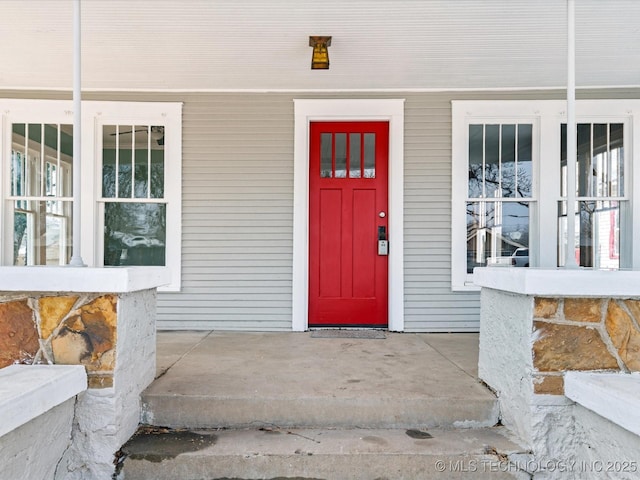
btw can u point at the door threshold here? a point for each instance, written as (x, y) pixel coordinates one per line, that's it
(339, 326)
(360, 334)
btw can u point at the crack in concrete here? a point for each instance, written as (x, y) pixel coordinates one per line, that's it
(69, 442)
(194, 346)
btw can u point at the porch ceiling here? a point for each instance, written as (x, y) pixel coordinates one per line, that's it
(263, 44)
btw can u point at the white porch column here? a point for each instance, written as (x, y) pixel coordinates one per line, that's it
(570, 258)
(76, 256)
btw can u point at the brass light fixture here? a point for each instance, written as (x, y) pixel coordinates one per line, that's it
(320, 58)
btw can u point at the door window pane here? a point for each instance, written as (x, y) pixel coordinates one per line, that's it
(369, 155)
(355, 152)
(341, 155)
(352, 152)
(326, 155)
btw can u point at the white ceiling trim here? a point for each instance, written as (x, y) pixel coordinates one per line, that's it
(321, 90)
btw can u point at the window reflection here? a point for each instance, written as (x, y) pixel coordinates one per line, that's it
(600, 160)
(500, 161)
(476, 133)
(497, 234)
(599, 168)
(341, 155)
(133, 161)
(134, 234)
(326, 155)
(492, 161)
(524, 172)
(342, 152)
(369, 155)
(500, 170)
(355, 163)
(133, 169)
(41, 190)
(597, 238)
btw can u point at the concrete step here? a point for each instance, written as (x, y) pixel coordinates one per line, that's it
(383, 411)
(159, 453)
(231, 380)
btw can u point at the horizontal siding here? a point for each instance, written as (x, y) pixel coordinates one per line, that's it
(238, 211)
(237, 215)
(429, 303)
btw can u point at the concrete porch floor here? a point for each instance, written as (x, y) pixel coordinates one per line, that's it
(432, 375)
(459, 349)
(287, 405)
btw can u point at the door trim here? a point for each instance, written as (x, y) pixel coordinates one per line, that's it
(311, 110)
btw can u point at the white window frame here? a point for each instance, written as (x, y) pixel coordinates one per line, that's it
(43, 155)
(94, 115)
(546, 117)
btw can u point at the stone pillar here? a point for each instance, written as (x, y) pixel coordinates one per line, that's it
(538, 324)
(103, 319)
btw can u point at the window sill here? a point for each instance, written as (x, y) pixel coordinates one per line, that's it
(82, 279)
(559, 282)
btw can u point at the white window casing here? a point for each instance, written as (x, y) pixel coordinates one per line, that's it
(546, 118)
(137, 113)
(94, 116)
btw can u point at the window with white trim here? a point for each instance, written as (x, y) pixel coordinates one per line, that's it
(40, 201)
(499, 192)
(509, 170)
(133, 204)
(131, 184)
(600, 198)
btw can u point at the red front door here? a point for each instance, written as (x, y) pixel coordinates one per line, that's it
(348, 164)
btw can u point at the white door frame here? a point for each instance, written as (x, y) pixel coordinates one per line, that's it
(310, 110)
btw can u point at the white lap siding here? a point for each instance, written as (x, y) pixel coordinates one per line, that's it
(238, 212)
(237, 208)
(237, 215)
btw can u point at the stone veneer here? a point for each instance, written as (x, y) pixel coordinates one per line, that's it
(583, 334)
(61, 329)
(536, 325)
(102, 319)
